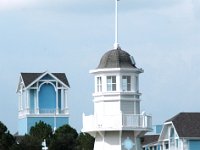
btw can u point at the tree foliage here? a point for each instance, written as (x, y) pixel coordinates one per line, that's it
(3, 128)
(41, 131)
(37, 134)
(85, 142)
(64, 139)
(6, 139)
(30, 143)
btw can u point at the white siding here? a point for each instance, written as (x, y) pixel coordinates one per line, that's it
(127, 107)
(111, 108)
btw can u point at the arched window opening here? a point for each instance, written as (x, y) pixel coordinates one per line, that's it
(47, 98)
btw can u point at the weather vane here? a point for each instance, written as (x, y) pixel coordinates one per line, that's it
(116, 44)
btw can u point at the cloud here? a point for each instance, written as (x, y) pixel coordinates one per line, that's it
(90, 6)
(6, 5)
(183, 10)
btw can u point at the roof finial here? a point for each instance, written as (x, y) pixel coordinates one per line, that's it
(116, 44)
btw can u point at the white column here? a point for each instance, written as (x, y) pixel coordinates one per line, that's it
(20, 101)
(65, 101)
(25, 97)
(37, 102)
(20, 105)
(56, 90)
(104, 83)
(118, 84)
(27, 101)
(62, 100)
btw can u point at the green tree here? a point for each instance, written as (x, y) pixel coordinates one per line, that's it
(34, 140)
(6, 139)
(41, 131)
(29, 143)
(64, 139)
(85, 142)
(3, 128)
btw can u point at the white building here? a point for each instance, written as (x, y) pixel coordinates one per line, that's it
(181, 132)
(117, 122)
(42, 97)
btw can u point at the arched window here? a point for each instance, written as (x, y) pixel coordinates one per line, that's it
(47, 98)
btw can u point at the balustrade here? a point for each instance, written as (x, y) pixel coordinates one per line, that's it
(42, 111)
(115, 122)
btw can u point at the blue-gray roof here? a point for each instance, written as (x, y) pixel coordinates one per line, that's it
(116, 58)
(28, 78)
(187, 124)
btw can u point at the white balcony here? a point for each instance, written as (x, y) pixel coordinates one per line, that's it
(47, 112)
(117, 122)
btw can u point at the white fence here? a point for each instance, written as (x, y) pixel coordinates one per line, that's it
(42, 111)
(137, 121)
(115, 122)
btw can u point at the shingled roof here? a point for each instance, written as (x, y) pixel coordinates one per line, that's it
(116, 58)
(149, 139)
(187, 124)
(28, 78)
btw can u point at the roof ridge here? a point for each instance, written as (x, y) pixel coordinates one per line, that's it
(187, 124)
(30, 77)
(172, 118)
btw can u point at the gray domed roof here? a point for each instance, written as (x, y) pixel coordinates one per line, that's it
(116, 58)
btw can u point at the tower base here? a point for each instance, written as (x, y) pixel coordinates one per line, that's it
(117, 140)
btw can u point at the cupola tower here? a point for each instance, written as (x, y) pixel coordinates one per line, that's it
(42, 97)
(117, 123)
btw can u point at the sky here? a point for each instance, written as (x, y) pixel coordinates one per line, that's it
(71, 36)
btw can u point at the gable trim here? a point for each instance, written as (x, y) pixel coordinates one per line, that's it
(165, 126)
(41, 76)
(20, 81)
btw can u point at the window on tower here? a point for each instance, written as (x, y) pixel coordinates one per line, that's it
(99, 84)
(126, 83)
(111, 83)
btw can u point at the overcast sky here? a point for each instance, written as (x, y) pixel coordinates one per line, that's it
(70, 36)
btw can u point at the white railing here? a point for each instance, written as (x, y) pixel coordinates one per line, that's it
(53, 111)
(23, 112)
(89, 123)
(109, 121)
(137, 121)
(115, 122)
(47, 111)
(42, 111)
